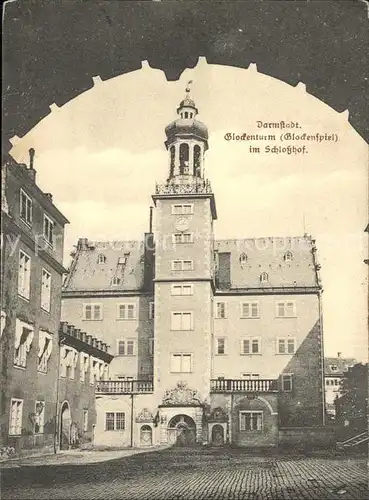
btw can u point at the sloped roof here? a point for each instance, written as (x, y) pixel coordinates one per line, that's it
(89, 272)
(249, 258)
(342, 365)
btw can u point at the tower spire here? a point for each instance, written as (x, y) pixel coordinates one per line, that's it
(188, 88)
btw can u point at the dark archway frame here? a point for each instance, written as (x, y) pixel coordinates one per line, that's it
(53, 48)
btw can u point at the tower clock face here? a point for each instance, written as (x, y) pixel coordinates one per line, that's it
(182, 224)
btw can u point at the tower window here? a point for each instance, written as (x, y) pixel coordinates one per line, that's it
(186, 114)
(172, 160)
(184, 154)
(196, 160)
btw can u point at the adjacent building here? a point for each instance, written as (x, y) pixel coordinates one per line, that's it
(214, 341)
(334, 371)
(31, 282)
(84, 361)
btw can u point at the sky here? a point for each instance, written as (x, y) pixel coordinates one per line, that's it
(102, 153)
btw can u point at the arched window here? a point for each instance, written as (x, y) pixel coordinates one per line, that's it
(184, 154)
(116, 280)
(172, 159)
(288, 256)
(101, 259)
(186, 114)
(264, 278)
(197, 160)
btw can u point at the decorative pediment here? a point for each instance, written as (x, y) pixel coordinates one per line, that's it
(181, 395)
(145, 416)
(218, 415)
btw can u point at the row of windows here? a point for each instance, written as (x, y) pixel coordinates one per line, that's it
(283, 309)
(37, 417)
(24, 281)
(249, 421)
(128, 311)
(69, 358)
(26, 216)
(253, 345)
(248, 346)
(22, 345)
(288, 256)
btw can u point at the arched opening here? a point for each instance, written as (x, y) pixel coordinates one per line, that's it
(184, 155)
(217, 435)
(197, 161)
(145, 435)
(65, 425)
(182, 431)
(186, 114)
(172, 160)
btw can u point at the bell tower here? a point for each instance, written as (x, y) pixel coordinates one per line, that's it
(184, 267)
(187, 142)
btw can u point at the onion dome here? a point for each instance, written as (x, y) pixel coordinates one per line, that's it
(187, 124)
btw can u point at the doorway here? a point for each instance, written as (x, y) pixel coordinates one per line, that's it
(146, 435)
(182, 431)
(65, 424)
(217, 435)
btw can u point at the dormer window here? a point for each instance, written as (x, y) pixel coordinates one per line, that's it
(333, 368)
(288, 256)
(101, 259)
(243, 258)
(264, 278)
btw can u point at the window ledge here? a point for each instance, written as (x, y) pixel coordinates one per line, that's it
(45, 310)
(27, 299)
(86, 319)
(41, 372)
(28, 224)
(23, 368)
(285, 353)
(249, 317)
(126, 319)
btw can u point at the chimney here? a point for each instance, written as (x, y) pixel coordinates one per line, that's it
(82, 244)
(31, 170)
(150, 225)
(149, 262)
(339, 354)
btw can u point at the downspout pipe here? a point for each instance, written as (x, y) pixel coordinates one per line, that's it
(131, 420)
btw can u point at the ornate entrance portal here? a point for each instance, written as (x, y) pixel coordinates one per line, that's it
(182, 431)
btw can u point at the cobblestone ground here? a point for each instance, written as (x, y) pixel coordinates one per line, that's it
(191, 473)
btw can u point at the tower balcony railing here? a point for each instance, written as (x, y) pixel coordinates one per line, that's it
(124, 386)
(244, 385)
(202, 187)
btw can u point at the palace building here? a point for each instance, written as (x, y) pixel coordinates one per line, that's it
(214, 341)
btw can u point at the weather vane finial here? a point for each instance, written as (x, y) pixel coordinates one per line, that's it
(188, 87)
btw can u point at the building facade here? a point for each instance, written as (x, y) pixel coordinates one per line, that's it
(215, 341)
(31, 281)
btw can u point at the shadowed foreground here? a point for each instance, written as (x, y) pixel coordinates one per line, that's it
(193, 473)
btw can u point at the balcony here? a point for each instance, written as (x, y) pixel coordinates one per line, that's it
(244, 385)
(124, 387)
(198, 187)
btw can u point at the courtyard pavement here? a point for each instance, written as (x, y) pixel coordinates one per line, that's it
(192, 473)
